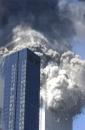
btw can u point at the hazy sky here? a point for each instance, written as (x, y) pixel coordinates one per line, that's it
(79, 121)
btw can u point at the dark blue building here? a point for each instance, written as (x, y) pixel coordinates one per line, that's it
(21, 93)
(10, 86)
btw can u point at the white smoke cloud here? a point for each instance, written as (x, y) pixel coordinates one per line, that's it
(65, 91)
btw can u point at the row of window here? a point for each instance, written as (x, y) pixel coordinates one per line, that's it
(12, 98)
(22, 95)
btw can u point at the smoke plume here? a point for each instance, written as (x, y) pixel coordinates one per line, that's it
(43, 16)
(48, 28)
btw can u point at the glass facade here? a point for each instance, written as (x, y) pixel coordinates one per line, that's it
(10, 86)
(27, 115)
(21, 91)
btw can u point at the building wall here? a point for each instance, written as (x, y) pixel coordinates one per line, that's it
(1, 96)
(1, 90)
(57, 122)
(49, 120)
(21, 91)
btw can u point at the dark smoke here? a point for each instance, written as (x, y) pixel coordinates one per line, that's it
(43, 16)
(14, 7)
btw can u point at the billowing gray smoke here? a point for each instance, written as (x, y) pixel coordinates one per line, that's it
(48, 28)
(43, 16)
(60, 21)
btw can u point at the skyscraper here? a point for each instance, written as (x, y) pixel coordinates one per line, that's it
(21, 91)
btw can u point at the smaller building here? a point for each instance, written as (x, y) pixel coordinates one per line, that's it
(50, 120)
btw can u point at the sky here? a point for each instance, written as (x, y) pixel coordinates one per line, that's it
(79, 121)
(79, 48)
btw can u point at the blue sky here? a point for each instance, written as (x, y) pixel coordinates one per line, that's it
(79, 121)
(79, 48)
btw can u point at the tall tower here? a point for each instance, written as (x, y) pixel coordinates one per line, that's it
(21, 91)
(50, 120)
